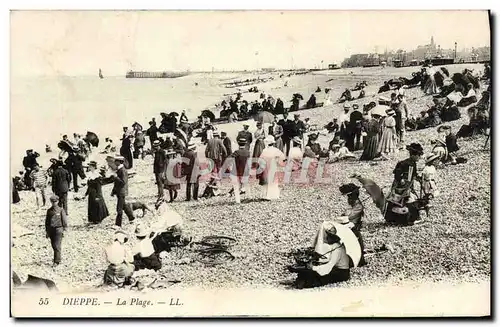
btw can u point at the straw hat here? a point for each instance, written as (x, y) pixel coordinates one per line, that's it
(215, 133)
(54, 198)
(329, 228)
(432, 157)
(170, 151)
(270, 140)
(156, 143)
(141, 230)
(119, 158)
(346, 106)
(191, 145)
(120, 236)
(390, 112)
(242, 141)
(443, 128)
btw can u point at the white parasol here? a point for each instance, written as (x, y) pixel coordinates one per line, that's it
(379, 110)
(350, 242)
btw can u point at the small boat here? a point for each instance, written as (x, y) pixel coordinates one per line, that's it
(100, 74)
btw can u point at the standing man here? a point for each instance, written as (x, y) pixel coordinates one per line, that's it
(190, 169)
(344, 121)
(287, 125)
(354, 130)
(216, 151)
(56, 223)
(227, 144)
(241, 169)
(120, 189)
(152, 132)
(60, 185)
(247, 135)
(159, 165)
(39, 178)
(403, 108)
(74, 164)
(298, 127)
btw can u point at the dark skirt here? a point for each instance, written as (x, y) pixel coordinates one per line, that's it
(258, 148)
(370, 144)
(151, 262)
(97, 210)
(309, 278)
(15, 196)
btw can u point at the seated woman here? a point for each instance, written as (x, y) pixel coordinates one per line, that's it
(339, 152)
(120, 267)
(144, 251)
(478, 123)
(168, 229)
(311, 103)
(470, 98)
(346, 96)
(332, 265)
(296, 155)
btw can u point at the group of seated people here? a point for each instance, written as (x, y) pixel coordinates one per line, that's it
(347, 96)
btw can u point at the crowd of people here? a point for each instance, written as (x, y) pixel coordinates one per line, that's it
(377, 130)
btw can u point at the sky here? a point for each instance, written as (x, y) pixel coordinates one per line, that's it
(80, 42)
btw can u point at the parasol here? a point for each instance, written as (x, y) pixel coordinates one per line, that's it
(379, 110)
(179, 133)
(350, 241)
(92, 138)
(374, 191)
(265, 117)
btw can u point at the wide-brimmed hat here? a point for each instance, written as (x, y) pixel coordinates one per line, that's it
(54, 198)
(170, 151)
(120, 236)
(346, 189)
(443, 128)
(416, 148)
(191, 145)
(432, 157)
(215, 133)
(141, 230)
(242, 141)
(119, 158)
(223, 133)
(270, 140)
(355, 106)
(93, 164)
(246, 125)
(347, 106)
(329, 228)
(390, 112)
(313, 136)
(156, 143)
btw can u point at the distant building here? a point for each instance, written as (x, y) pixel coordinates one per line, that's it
(333, 66)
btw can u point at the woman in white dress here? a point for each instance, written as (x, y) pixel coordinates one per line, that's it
(387, 143)
(273, 159)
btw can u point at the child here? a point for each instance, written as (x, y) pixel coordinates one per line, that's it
(40, 180)
(429, 190)
(55, 224)
(211, 188)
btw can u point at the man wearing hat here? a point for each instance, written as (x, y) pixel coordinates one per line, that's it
(152, 132)
(247, 135)
(74, 164)
(227, 144)
(451, 141)
(216, 151)
(139, 142)
(159, 166)
(60, 185)
(240, 168)
(55, 225)
(190, 169)
(298, 126)
(288, 132)
(344, 121)
(29, 162)
(120, 189)
(346, 96)
(354, 129)
(121, 267)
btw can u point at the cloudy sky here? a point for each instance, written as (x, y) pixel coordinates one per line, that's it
(81, 42)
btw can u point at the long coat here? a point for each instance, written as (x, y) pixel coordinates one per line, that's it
(60, 180)
(189, 168)
(159, 163)
(97, 209)
(120, 186)
(215, 149)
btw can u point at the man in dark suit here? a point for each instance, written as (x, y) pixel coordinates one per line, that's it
(227, 144)
(354, 129)
(120, 189)
(60, 185)
(159, 165)
(74, 165)
(247, 135)
(190, 170)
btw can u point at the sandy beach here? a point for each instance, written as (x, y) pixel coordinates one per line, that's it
(266, 231)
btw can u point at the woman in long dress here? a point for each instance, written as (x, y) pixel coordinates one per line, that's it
(387, 142)
(273, 158)
(278, 133)
(97, 209)
(172, 174)
(370, 141)
(259, 135)
(126, 151)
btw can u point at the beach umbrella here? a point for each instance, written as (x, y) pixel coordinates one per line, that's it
(208, 114)
(350, 241)
(66, 146)
(265, 117)
(379, 110)
(374, 191)
(92, 138)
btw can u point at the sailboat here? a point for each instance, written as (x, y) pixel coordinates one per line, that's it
(100, 74)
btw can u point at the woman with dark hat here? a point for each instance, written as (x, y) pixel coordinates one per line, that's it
(387, 142)
(97, 209)
(173, 173)
(402, 187)
(370, 141)
(352, 217)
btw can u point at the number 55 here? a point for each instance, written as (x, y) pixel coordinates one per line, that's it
(43, 301)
